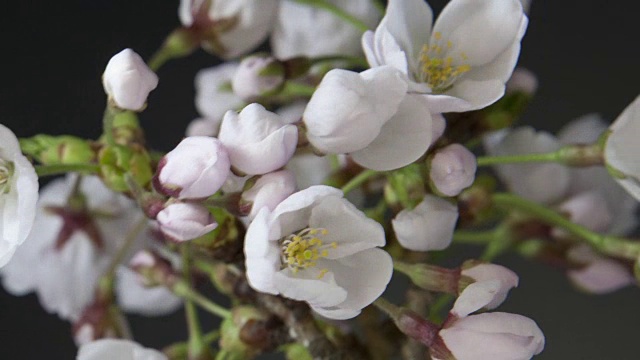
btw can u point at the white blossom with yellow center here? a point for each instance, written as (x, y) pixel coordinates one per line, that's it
(18, 195)
(461, 64)
(317, 247)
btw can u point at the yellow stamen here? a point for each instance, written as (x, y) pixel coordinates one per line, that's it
(437, 71)
(302, 250)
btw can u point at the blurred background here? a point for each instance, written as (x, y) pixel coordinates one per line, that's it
(53, 53)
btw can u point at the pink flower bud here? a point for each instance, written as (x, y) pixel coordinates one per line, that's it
(597, 274)
(182, 222)
(256, 76)
(453, 169)
(490, 336)
(489, 287)
(269, 191)
(588, 209)
(196, 168)
(127, 80)
(258, 140)
(429, 226)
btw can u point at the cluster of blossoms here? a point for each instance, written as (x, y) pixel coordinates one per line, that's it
(314, 172)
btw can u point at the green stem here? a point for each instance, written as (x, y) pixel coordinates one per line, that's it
(183, 289)
(159, 58)
(518, 159)
(197, 346)
(130, 239)
(353, 61)
(107, 124)
(57, 169)
(325, 5)
(610, 245)
(358, 180)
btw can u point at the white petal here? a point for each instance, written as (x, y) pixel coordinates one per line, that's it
(306, 285)
(109, 349)
(583, 130)
(622, 148)
(213, 91)
(133, 297)
(262, 255)
(476, 296)
(303, 30)
(349, 227)
(269, 191)
(487, 272)
(128, 80)
(427, 227)
(402, 140)
(309, 169)
(294, 212)
(466, 95)
(364, 275)
(480, 29)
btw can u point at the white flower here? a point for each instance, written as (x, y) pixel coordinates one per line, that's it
(214, 96)
(258, 140)
(269, 191)
(317, 247)
(368, 116)
(462, 63)
(128, 80)
(303, 30)
(453, 169)
(182, 221)
(229, 28)
(110, 349)
(258, 75)
(622, 148)
(490, 286)
(492, 336)
(543, 183)
(203, 127)
(18, 195)
(68, 250)
(196, 168)
(427, 227)
(597, 274)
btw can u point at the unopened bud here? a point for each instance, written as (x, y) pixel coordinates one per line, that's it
(453, 169)
(269, 191)
(127, 80)
(181, 222)
(196, 168)
(117, 162)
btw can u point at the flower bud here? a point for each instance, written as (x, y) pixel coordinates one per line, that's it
(203, 127)
(127, 80)
(483, 285)
(269, 191)
(489, 336)
(588, 209)
(453, 169)
(196, 168)
(181, 222)
(258, 76)
(258, 140)
(152, 270)
(58, 149)
(427, 227)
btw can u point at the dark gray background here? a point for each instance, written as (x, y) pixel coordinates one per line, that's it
(53, 53)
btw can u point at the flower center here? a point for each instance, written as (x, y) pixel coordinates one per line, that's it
(438, 71)
(6, 172)
(303, 249)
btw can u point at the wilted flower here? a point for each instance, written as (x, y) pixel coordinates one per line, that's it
(368, 116)
(258, 140)
(303, 30)
(317, 247)
(462, 63)
(109, 349)
(184, 221)
(453, 169)
(428, 227)
(18, 195)
(207, 168)
(128, 80)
